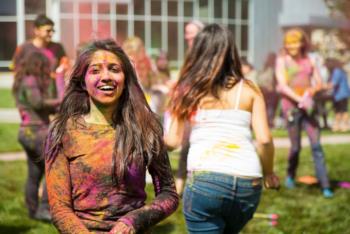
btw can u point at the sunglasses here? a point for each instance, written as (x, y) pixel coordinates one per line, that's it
(50, 30)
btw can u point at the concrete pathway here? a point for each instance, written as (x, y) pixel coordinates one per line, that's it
(9, 115)
(279, 143)
(6, 79)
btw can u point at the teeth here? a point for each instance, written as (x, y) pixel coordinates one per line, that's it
(106, 87)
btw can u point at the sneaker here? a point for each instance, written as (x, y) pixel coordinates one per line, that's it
(327, 193)
(290, 183)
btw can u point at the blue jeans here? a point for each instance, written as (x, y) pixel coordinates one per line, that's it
(297, 121)
(219, 203)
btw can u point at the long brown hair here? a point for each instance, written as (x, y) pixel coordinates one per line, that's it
(139, 133)
(34, 64)
(211, 64)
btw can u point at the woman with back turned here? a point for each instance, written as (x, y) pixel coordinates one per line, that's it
(225, 171)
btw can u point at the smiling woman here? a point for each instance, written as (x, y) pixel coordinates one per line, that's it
(104, 82)
(100, 146)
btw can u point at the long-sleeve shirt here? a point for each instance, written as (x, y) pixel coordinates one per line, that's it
(34, 106)
(82, 196)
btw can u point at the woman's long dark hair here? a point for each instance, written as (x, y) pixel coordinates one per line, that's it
(139, 133)
(211, 64)
(34, 64)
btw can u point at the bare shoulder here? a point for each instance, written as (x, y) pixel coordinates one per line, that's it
(250, 91)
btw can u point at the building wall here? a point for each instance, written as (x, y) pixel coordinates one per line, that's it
(264, 25)
(300, 12)
(159, 23)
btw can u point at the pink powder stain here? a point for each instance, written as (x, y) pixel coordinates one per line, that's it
(344, 184)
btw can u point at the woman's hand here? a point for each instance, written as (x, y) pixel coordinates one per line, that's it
(306, 102)
(122, 228)
(271, 181)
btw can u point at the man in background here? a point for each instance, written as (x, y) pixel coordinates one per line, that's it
(42, 41)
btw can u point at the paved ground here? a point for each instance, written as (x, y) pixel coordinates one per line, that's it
(8, 115)
(6, 79)
(279, 143)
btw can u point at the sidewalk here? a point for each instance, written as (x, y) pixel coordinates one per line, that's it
(279, 143)
(6, 79)
(9, 115)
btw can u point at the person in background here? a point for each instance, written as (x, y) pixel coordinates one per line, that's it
(221, 106)
(135, 49)
(30, 90)
(42, 41)
(266, 80)
(100, 146)
(161, 85)
(341, 93)
(323, 96)
(248, 70)
(298, 81)
(163, 71)
(191, 30)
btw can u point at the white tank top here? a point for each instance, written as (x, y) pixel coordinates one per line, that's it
(221, 141)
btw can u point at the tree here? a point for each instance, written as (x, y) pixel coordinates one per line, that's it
(340, 9)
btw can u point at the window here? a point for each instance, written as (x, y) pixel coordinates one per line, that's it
(7, 7)
(244, 37)
(103, 8)
(104, 29)
(122, 31)
(29, 29)
(172, 40)
(34, 6)
(203, 8)
(85, 8)
(86, 32)
(231, 9)
(8, 44)
(68, 35)
(188, 9)
(217, 8)
(67, 7)
(122, 9)
(156, 7)
(245, 9)
(139, 30)
(172, 8)
(139, 7)
(156, 34)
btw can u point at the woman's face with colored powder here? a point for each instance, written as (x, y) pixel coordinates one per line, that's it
(105, 78)
(293, 49)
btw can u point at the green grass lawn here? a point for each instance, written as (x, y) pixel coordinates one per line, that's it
(9, 143)
(8, 137)
(302, 210)
(282, 132)
(6, 98)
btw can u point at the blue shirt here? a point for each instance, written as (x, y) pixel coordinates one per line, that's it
(340, 84)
